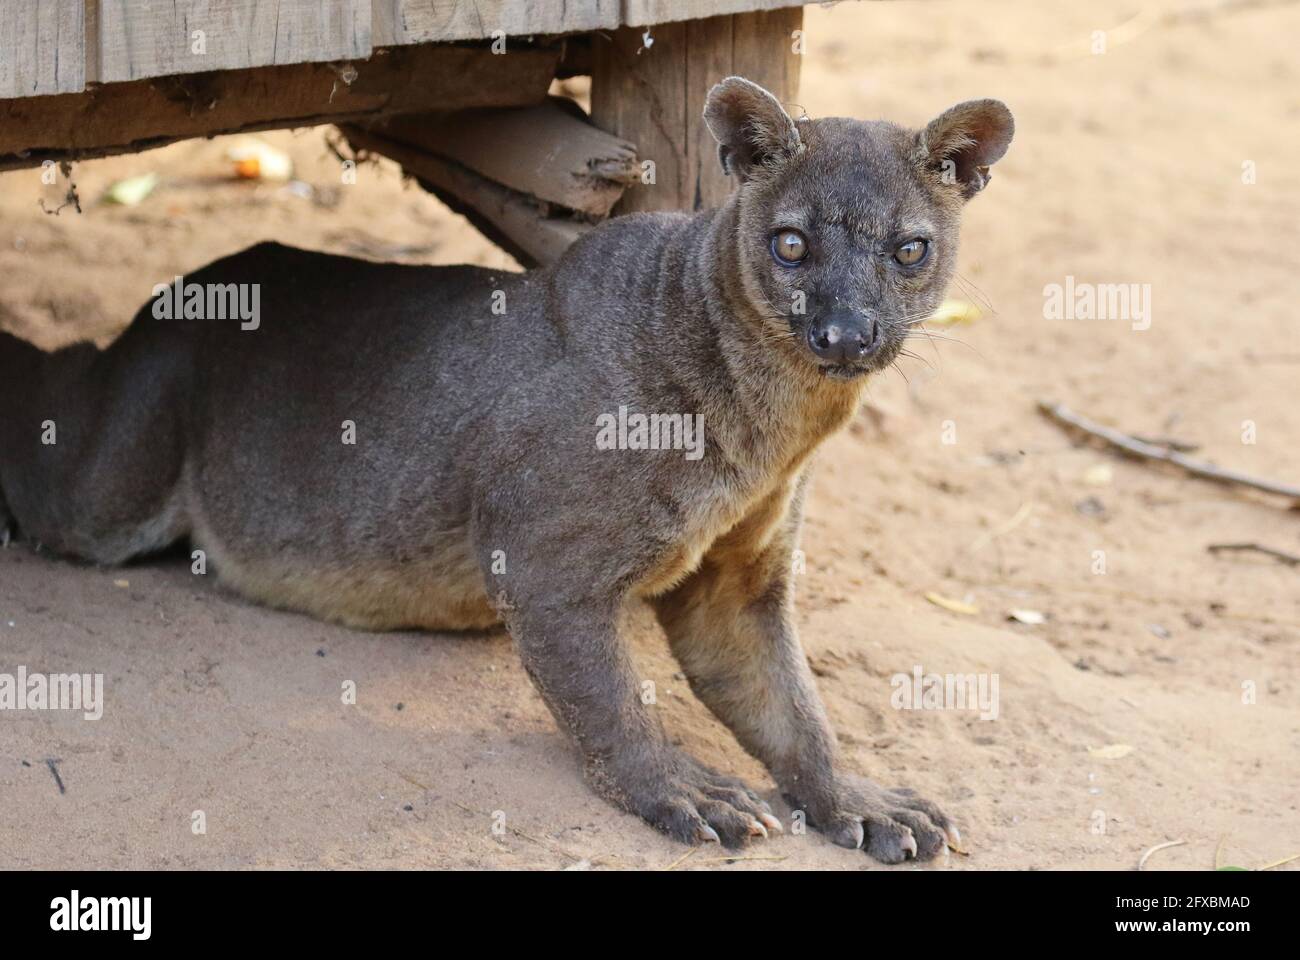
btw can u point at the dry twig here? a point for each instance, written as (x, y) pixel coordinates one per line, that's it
(1290, 559)
(1159, 846)
(1146, 451)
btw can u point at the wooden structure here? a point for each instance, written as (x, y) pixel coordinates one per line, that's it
(454, 90)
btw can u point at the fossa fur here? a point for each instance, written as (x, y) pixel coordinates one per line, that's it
(475, 492)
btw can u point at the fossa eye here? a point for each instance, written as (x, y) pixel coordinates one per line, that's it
(789, 247)
(912, 252)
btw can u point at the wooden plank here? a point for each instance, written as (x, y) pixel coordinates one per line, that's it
(654, 96)
(121, 118)
(637, 13)
(57, 46)
(549, 151)
(640, 95)
(763, 49)
(709, 57)
(512, 220)
(145, 38)
(423, 21)
(42, 47)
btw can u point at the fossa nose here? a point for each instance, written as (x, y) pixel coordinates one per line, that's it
(844, 336)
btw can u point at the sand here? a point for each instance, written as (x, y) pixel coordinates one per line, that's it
(1127, 168)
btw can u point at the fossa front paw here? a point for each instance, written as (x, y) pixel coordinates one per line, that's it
(693, 803)
(890, 825)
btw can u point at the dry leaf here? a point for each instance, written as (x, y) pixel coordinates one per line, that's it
(256, 160)
(132, 190)
(952, 313)
(1031, 617)
(1112, 751)
(1099, 475)
(122, 583)
(955, 606)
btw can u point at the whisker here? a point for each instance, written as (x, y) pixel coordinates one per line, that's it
(917, 357)
(774, 337)
(932, 337)
(976, 294)
(928, 339)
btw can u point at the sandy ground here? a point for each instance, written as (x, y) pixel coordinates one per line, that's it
(1127, 168)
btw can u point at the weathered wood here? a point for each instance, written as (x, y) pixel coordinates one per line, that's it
(515, 222)
(637, 13)
(654, 96)
(121, 118)
(420, 21)
(145, 38)
(41, 47)
(549, 151)
(640, 95)
(423, 21)
(59, 46)
(711, 55)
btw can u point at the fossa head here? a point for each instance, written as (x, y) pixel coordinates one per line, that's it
(847, 229)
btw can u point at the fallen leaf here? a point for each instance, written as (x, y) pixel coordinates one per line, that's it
(256, 160)
(1031, 617)
(122, 583)
(1099, 475)
(952, 313)
(954, 606)
(132, 190)
(1112, 751)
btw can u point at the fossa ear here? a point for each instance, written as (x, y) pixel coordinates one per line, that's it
(960, 144)
(751, 127)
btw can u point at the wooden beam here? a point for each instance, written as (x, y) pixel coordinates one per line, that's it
(421, 21)
(550, 151)
(60, 46)
(138, 39)
(517, 223)
(654, 96)
(637, 13)
(42, 47)
(126, 117)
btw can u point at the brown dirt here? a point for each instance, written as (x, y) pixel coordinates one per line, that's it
(1126, 168)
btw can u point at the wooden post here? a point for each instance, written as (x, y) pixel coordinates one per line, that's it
(126, 117)
(653, 96)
